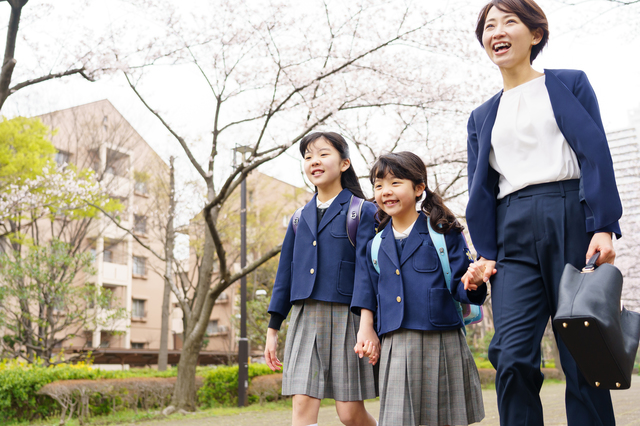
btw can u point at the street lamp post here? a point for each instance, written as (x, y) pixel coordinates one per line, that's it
(243, 343)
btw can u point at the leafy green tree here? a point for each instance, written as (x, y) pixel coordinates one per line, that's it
(46, 213)
(42, 305)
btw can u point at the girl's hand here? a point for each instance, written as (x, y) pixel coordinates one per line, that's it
(270, 348)
(602, 242)
(474, 276)
(368, 343)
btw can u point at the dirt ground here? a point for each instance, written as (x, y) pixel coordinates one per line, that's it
(626, 405)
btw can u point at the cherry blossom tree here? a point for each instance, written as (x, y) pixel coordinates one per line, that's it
(263, 76)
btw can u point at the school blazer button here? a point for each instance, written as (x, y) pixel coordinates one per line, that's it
(399, 299)
(314, 243)
(397, 273)
(311, 271)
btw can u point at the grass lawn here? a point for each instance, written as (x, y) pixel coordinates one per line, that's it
(129, 416)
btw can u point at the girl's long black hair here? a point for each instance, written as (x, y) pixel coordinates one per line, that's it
(348, 179)
(407, 165)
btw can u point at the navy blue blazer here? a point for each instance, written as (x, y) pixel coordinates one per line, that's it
(577, 113)
(318, 261)
(410, 292)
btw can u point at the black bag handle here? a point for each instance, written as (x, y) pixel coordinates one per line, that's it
(591, 264)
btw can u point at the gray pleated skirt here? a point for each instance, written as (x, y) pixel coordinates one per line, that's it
(428, 378)
(319, 360)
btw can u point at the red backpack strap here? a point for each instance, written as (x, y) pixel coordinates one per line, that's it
(353, 218)
(296, 219)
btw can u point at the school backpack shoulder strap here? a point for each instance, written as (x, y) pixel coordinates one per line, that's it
(440, 244)
(375, 247)
(296, 219)
(353, 218)
(441, 247)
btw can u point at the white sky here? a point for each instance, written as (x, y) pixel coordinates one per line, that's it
(602, 41)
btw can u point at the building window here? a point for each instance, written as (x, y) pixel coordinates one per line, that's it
(107, 256)
(62, 158)
(109, 294)
(139, 266)
(137, 345)
(140, 225)
(137, 308)
(140, 187)
(212, 328)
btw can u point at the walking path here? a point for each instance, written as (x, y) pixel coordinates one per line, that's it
(626, 405)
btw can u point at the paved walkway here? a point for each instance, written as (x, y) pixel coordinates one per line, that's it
(626, 404)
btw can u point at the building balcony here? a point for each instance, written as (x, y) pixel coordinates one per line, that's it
(118, 186)
(107, 324)
(114, 274)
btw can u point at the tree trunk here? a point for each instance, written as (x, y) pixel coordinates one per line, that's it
(168, 276)
(9, 62)
(184, 392)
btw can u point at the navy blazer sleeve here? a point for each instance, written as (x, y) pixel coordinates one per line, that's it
(459, 262)
(583, 91)
(364, 295)
(365, 286)
(281, 295)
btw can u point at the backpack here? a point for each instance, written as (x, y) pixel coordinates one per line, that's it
(353, 218)
(470, 314)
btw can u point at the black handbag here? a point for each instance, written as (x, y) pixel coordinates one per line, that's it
(602, 338)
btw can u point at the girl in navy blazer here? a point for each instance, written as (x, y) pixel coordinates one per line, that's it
(315, 281)
(427, 373)
(542, 194)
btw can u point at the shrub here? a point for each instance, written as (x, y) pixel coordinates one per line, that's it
(20, 383)
(221, 385)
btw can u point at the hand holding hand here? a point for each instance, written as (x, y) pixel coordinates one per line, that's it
(488, 268)
(474, 276)
(270, 348)
(368, 344)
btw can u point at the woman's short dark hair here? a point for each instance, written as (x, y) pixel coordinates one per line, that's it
(349, 180)
(527, 11)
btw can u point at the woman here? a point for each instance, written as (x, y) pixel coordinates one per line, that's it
(542, 193)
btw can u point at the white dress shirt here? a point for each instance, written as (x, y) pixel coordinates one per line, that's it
(527, 146)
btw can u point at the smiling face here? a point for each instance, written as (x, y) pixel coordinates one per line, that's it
(323, 165)
(397, 197)
(507, 40)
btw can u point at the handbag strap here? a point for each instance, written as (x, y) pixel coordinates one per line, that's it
(591, 264)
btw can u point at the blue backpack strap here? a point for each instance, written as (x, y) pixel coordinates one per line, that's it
(375, 248)
(440, 244)
(296, 219)
(353, 218)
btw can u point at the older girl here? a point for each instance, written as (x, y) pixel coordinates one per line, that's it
(315, 276)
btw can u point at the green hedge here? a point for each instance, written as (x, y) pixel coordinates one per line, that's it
(20, 382)
(221, 385)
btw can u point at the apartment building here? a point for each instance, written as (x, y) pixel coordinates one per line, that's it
(625, 151)
(98, 137)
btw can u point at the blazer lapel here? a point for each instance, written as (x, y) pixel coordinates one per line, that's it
(388, 245)
(310, 218)
(415, 238)
(334, 208)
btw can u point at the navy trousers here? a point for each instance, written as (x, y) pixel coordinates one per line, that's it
(539, 229)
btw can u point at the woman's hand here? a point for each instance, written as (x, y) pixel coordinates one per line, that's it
(489, 268)
(367, 343)
(270, 348)
(602, 242)
(474, 276)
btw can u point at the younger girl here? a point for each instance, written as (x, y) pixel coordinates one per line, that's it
(427, 373)
(315, 276)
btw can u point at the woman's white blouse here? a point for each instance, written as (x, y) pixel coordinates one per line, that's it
(527, 146)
